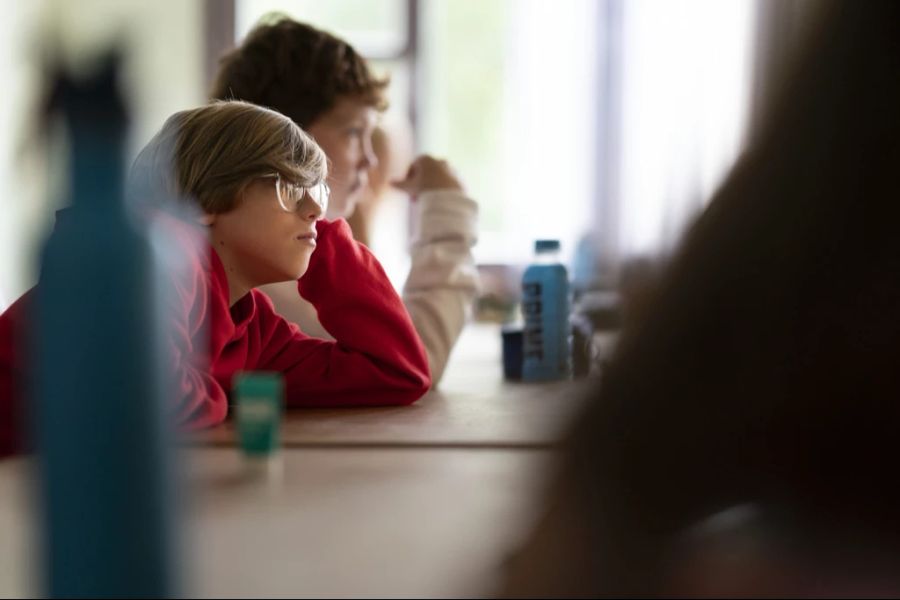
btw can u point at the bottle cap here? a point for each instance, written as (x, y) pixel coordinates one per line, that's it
(546, 245)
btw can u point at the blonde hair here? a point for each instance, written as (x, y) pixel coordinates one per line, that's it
(208, 155)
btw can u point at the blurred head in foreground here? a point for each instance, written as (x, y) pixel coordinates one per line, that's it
(762, 377)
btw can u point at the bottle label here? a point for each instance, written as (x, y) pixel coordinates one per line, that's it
(547, 334)
(532, 309)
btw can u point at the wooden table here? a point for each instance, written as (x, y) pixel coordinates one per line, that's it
(383, 523)
(426, 500)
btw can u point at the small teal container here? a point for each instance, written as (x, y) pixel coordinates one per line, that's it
(259, 398)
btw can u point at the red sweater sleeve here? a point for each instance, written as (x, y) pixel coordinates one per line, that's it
(194, 308)
(377, 358)
(12, 370)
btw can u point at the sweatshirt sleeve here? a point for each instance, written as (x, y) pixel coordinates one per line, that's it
(195, 306)
(12, 373)
(376, 357)
(443, 280)
(199, 399)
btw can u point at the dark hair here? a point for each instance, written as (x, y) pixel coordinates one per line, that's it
(765, 369)
(296, 69)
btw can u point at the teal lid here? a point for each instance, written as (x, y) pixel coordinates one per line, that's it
(259, 400)
(546, 245)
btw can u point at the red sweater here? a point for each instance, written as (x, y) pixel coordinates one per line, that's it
(377, 359)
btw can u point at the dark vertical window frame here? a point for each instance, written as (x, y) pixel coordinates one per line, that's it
(411, 57)
(607, 191)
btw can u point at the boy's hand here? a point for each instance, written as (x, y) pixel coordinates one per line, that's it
(428, 173)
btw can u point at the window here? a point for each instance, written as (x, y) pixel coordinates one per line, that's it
(684, 91)
(613, 117)
(489, 98)
(510, 97)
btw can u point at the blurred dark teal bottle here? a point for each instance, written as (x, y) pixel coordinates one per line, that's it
(547, 339)
(97, 382)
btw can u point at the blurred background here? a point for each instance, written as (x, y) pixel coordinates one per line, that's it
(603, 123)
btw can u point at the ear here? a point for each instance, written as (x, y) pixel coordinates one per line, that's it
(207, 219)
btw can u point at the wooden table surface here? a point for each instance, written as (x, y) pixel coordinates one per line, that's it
(336, 523)
(419, 501)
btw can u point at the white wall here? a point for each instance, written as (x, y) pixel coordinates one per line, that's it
(164, 73)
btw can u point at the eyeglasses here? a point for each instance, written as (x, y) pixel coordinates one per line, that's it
(290, 195)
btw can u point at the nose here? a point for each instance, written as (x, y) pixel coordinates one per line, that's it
(310, 209)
